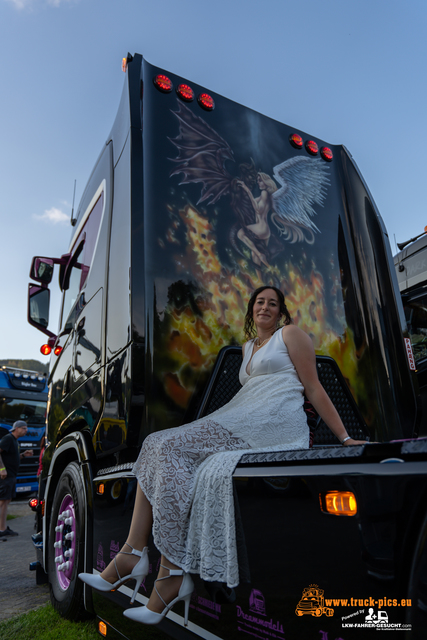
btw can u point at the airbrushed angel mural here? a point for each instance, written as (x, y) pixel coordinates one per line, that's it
(288, 208)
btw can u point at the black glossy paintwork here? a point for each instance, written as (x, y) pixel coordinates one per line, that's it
(290, 544)
(374, 309)
(115, 377)
(352, 228)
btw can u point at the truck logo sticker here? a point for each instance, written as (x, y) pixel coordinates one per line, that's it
(256, 622)
(377, 619)
(114, 548)
(410, 354)
(257, 602)
(100, 564)
(313, 603)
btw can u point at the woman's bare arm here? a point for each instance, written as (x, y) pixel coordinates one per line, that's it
(301, 352)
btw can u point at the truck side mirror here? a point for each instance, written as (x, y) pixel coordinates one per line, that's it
(42, 270)
(38, 308)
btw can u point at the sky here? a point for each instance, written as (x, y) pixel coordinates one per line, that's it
(349, 72)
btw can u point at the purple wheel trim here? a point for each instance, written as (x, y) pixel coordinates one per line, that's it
(65, 542)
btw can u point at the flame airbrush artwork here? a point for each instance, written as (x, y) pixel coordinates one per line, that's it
(229, 234)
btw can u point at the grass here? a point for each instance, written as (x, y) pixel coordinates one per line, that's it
(45, 623)
(11, 517)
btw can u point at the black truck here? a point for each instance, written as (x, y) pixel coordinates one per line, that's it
(167, 245)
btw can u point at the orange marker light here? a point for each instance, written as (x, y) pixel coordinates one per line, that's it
(338, 503)
(102, 628)
(45, 349)
(124, 65)
(100, 489)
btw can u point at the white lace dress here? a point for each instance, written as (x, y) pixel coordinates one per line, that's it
(186, 472)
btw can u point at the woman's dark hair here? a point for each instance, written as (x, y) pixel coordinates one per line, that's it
(249, 328)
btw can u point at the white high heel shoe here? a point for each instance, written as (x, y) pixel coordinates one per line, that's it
(146, 616)
(139, 572)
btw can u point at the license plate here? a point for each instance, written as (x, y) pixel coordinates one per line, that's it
(20, 488)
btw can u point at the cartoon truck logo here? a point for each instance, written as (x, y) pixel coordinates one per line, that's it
(312, 603)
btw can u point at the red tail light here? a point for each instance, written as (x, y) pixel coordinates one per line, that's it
(296, 141)
(163, 83)
(206, 101)
(312, 147)
(185, 92)
(57, 350)
(326, 154)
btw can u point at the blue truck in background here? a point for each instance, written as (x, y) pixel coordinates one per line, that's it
(23, 396)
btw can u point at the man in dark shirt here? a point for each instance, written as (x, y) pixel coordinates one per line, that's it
(9, 465)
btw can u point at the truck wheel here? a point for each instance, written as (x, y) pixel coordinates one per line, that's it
(66, 545)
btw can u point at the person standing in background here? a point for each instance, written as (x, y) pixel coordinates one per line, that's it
(10, 458)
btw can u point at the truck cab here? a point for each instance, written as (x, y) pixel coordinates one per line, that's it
(23, 396)
(164, 252)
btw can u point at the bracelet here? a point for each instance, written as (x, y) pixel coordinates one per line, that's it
(3, 469)
(345, 439)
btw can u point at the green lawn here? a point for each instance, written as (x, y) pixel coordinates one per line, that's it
(46, 624)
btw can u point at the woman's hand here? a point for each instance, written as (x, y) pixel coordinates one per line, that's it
(350, 442)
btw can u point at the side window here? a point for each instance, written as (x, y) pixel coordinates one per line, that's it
(81, 257)
(416, 318)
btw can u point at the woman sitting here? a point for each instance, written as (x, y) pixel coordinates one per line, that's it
(278, 367)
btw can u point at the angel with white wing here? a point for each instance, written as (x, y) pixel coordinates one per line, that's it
(303, 185)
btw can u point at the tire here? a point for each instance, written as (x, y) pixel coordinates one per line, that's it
(68, 545)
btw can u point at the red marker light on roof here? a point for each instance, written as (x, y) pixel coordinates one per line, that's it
(57, 350)
(312, 147)
(163, 83)
(296, 141)
(326, 154)
(45, 349)
(185, 92)
(206, 101)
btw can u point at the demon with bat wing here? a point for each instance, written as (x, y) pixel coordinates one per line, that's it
(202, 157)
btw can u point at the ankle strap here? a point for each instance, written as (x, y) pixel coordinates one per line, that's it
(134, 551)
(172, 572)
